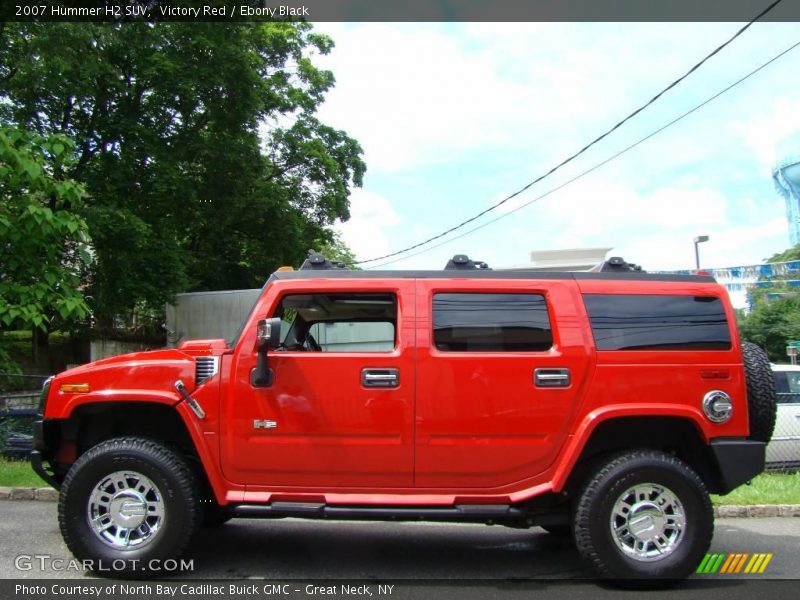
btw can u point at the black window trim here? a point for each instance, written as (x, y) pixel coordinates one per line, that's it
(391, 292)
(663, 348)
(553, 327)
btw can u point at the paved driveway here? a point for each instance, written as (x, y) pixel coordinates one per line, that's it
(453, 560)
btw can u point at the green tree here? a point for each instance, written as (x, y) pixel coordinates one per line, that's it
(334, 248)
(775, 316)
(198, 144)
(43, 241)
(787, 255)
(773, 321)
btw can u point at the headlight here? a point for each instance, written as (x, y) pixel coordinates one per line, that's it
(717, 406)
(43, 395)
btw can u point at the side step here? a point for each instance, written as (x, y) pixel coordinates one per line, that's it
(458, 513)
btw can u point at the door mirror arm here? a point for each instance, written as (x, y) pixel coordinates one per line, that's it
(268, 336)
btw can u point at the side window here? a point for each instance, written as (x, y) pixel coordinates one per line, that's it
(787, 386)
(658, 322)
(333, 322)
(491, 323)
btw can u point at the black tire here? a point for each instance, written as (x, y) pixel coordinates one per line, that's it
(176, 492)
(761, 407)
(592, 520)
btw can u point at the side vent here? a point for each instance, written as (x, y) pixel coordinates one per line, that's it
(205, 367)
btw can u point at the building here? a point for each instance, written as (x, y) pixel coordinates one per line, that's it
(571, 259)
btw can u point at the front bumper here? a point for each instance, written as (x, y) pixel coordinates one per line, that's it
(738, 461)
(40, 447)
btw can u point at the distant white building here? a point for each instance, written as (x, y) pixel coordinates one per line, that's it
(571, 259)
(739, 281)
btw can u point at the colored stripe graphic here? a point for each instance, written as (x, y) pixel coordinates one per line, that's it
(764, 564)
(702, 567)
(733, 563)
(711, 563)
(741, 562)
(731, 559)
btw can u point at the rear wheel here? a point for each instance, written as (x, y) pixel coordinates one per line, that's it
(128, 504)
(645, 515)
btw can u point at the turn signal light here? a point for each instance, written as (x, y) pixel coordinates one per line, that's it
(74, 388)
(286, 268)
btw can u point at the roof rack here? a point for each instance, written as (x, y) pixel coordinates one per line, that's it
(617, 263)
(463, 262)
(318, 262)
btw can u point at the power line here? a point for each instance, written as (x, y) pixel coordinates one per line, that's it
(602, 163)
(582, 150)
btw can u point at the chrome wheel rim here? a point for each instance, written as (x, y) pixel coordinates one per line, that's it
(647, 522)
(126, 510)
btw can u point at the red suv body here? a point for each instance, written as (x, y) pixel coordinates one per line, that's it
(507, 397)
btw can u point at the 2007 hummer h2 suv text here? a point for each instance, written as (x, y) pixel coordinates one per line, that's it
(606, 406)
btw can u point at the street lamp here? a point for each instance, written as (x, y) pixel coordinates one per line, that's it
(698, 240)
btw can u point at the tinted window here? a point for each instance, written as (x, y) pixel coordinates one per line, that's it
(491, 323)
(339, 322)
(787, 386)
(645, 322)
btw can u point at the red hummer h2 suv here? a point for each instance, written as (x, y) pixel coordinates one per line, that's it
(605, 406)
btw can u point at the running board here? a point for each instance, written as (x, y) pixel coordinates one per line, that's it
(308, 510)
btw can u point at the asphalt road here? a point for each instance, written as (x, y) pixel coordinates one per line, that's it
(424, 560)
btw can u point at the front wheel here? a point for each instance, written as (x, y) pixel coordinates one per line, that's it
(127, 505)
(645, 515)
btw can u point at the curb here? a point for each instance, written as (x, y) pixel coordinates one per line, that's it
(46, 494)
(43, 494)
(757, 510)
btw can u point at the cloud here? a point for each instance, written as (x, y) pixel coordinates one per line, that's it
(366, 232)
(774, 134)
(453, 117)
(416, 93)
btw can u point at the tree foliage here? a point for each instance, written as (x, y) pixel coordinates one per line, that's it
(43, 241)
(786, 256)
(333, 248)
(774, 320)
(198, 144)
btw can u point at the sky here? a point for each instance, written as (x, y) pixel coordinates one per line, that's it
(453, 117)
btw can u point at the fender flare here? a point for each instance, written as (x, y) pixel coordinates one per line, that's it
(591, 421)
(200, 438)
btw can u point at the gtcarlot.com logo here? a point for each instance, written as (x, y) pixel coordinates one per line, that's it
(734, 563)
(46, 562)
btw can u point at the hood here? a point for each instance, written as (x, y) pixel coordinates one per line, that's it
(132, 377)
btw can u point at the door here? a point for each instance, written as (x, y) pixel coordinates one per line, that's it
(339, 410)
(498, 378)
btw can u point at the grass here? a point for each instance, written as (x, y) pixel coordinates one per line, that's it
(767, 488)
(18, 473)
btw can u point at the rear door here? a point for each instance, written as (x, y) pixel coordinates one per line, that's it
(501, 366)
(339, 411)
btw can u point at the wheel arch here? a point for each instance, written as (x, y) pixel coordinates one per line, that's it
(90, 424)
(681, 436)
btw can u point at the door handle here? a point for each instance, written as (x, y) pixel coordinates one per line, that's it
(551, 378)
(380, 378)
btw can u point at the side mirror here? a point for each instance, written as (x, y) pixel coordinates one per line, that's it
(268, 334)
